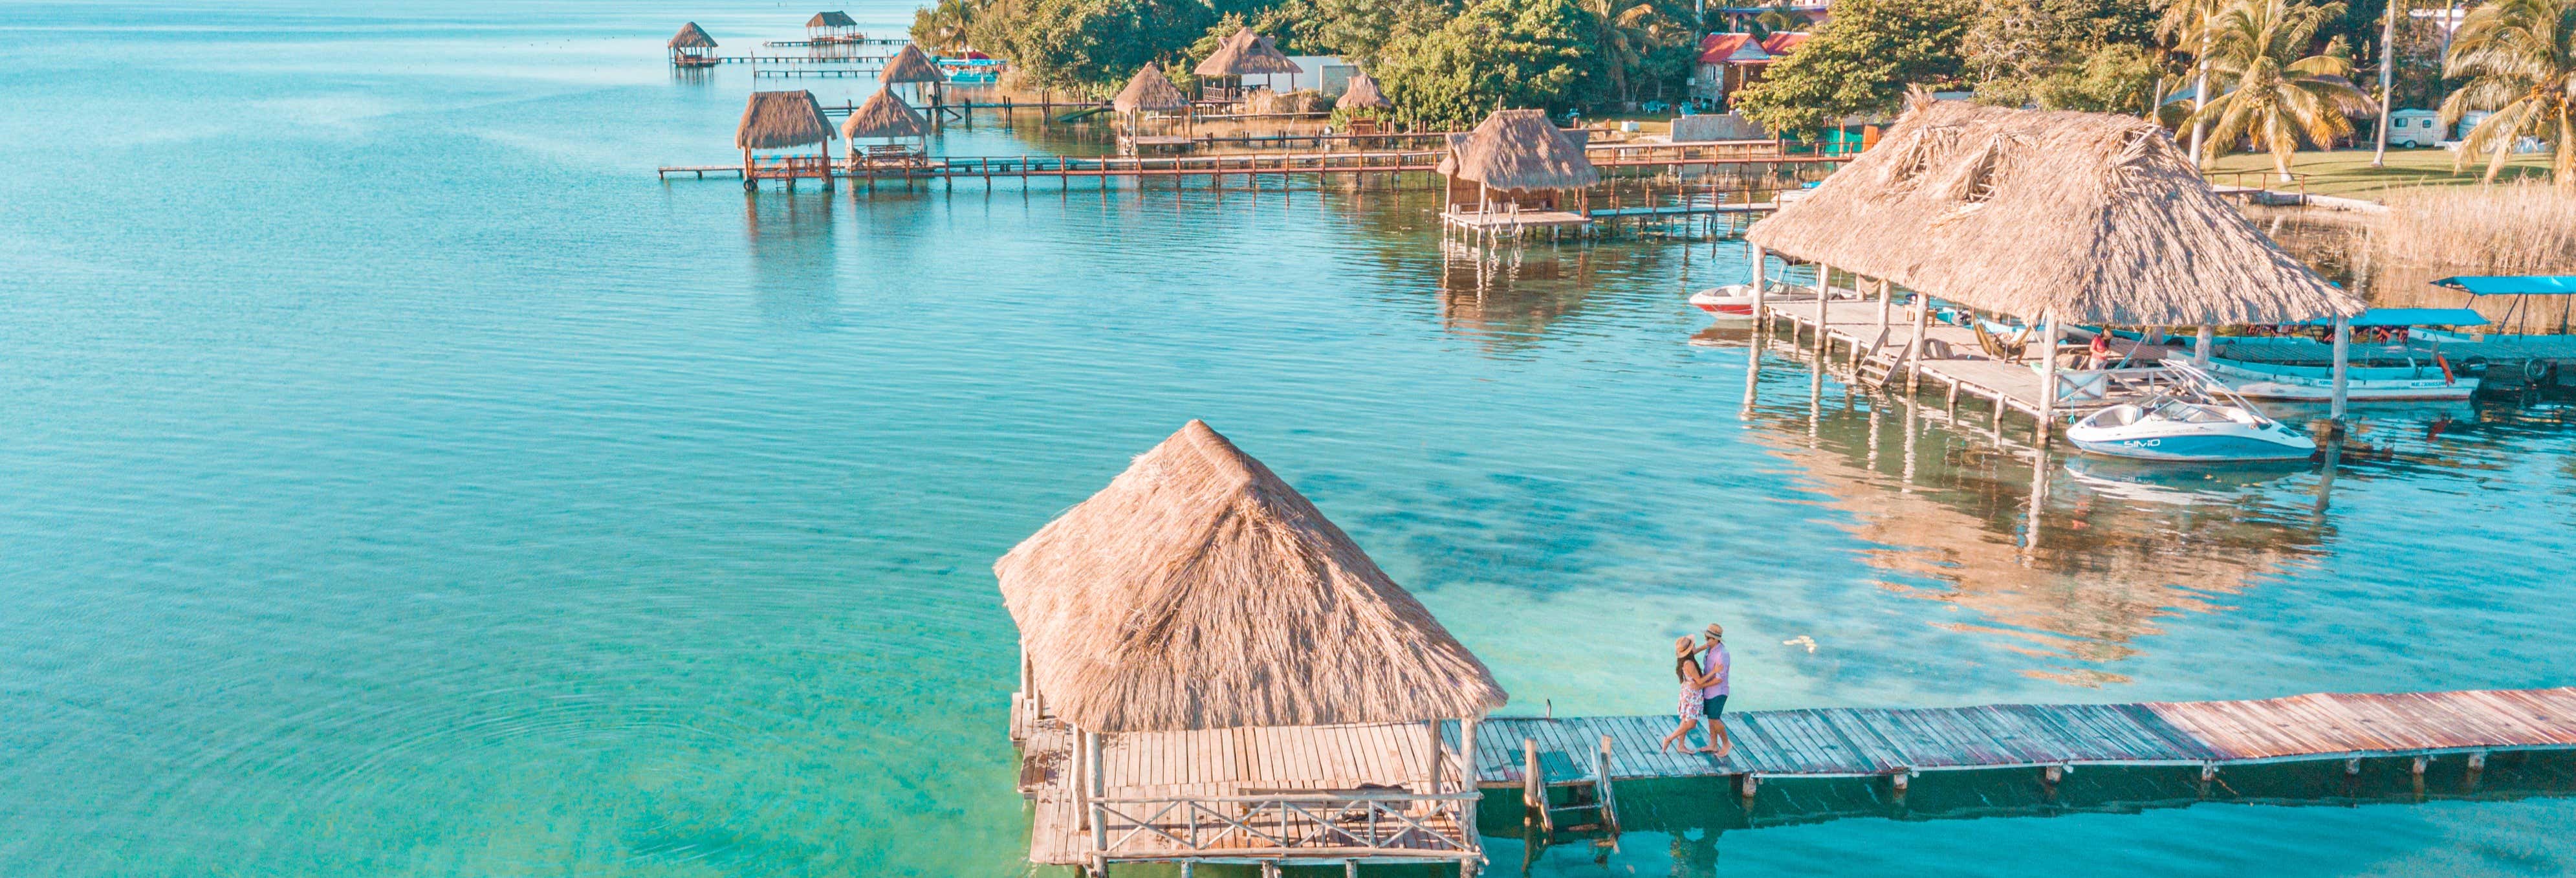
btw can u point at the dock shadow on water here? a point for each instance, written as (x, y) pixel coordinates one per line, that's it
(794, 276)
(1682, 827)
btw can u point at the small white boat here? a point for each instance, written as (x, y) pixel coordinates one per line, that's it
(2199, 421)
(1735, 301)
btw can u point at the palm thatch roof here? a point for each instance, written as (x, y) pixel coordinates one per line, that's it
(1246, 53)
(884, 116)
(831, 19)
(1362, 94)
(691, 36)
(1149, 91)
(781, 119)
(910, 65)
(1199, 591)
(2092, 217)
(1518, 149)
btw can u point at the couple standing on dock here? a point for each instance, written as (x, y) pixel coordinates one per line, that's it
(1702, 669)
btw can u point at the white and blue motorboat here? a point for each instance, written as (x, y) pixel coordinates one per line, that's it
(2198, 420)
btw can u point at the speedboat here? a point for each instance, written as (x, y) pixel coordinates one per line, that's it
(2199, 420)
(1736, 300)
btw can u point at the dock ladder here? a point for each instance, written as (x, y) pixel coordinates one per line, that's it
(1880, 364)
(1590, 791)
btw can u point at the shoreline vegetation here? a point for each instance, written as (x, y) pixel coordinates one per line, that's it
(2286, 78)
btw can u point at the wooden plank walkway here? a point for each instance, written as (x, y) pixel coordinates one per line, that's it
(1859, 742)
(1853, 327)
(1218, 765)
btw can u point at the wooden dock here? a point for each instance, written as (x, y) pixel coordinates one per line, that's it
(1953, 358)
(1898, 743)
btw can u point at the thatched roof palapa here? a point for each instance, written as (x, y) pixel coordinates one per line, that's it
(884, 116)
(781, 119)
(910, 65)
(831, 19)
(1149, 91)
(1518, 149)
(1362, 94)
(2093, 217)
(1246, 53)
(691, 36)
(1200, 591)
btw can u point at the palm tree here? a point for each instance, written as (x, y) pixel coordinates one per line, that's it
(2278, 94)
(2519, 57)
(1621, 34)
(2189, 23)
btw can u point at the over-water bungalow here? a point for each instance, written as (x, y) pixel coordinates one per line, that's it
(1149, 91)
(886, 118)
(691, 47)
(1242, 54)
(1514, 170)
(776, 127)
(1211, 671)
(1363, 105)
(910, 66)
(2053, 219)
(832, 27)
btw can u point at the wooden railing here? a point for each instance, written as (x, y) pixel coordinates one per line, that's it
(1327, 823)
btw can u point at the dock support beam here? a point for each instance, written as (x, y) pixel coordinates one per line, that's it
(1914, 351)
(2342, 368)
(2200, 346)
(2048, 336)
(1533, 787)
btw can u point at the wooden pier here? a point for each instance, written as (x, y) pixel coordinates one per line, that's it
(1899, 743)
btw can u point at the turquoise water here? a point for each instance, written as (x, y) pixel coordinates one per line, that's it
(400, 480)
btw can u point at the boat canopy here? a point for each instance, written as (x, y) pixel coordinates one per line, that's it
(2524, 285)
(2412, 317)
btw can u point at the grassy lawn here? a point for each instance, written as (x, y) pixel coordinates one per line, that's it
(2348, 172)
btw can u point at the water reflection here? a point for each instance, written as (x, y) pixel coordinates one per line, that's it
(2057, 558)
(790, 243)
(1511, 292)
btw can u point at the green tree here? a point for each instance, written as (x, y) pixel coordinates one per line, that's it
(1860, 62)
(1083, 44)
(1634, 40)
(942, 28)
(1355, 30)
(2063, 54)
(2519, 57)
(2277, 94)
(1494, 54)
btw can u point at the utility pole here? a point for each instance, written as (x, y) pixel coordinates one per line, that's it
(2387, 79)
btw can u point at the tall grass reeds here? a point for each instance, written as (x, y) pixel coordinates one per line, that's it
(2518, 228)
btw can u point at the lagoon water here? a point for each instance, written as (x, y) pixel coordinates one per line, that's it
(396, 479)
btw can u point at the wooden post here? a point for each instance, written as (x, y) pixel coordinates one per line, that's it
(1431, 760)
(1747, 786)
(2048, 378)
(1824, 294)
(1885, 292)
(2200, 346)
(1914, 350)
(1761, 265)
(1533, 785)
(2342, 368)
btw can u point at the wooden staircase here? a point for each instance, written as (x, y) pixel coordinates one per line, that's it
(1880, 364)
(1589, 792)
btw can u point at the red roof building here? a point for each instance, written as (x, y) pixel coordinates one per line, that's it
(1783, 43)
(1726, 63)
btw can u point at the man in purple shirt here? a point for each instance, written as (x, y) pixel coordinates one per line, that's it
(1715, 666)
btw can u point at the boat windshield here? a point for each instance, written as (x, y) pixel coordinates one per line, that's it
(2191, 414)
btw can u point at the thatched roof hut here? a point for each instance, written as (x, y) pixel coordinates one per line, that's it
(1149, 91)
(1246, 53)
(1362, 94)
(781, 119)
(2092, 217)
(884, 116)
(1518, 149)
(691, 36)
(831, 20)
(910, 65)
(1200, 591)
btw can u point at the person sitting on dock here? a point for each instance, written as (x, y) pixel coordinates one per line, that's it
(1715, 667)
(1686, 669)
(2098, 353)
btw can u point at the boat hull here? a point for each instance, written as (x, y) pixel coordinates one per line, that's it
(2193, 448)
(2280, 383)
